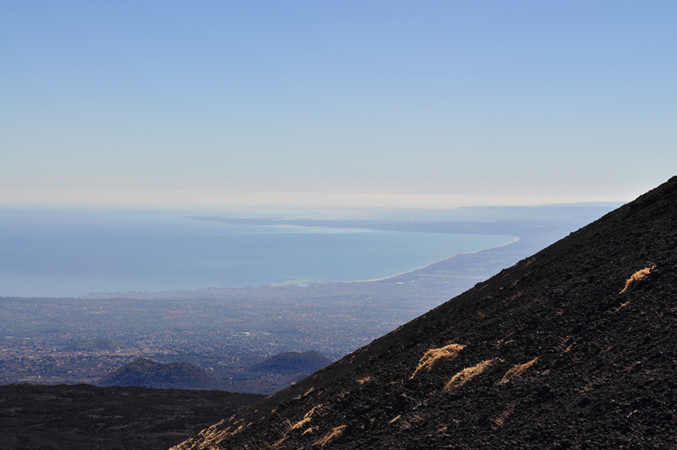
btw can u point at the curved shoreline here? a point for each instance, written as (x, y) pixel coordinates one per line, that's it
(517, 238)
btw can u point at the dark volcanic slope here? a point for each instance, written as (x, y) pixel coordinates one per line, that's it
(554, 357)
(85, 417)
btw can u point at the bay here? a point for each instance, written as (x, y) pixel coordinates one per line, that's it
(71, 253)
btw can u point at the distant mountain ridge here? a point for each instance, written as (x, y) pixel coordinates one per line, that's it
(278, 371)
(573, 347)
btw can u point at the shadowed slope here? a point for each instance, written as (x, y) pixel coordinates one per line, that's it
(85, 417)
(552, 356)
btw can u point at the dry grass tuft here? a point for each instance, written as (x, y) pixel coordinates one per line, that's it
(500, 420)
(395, 419)
(363, 380)
(209, 437)
(516, 371)
(637, 276)
(300, 423)
(622, 306)
(305, 419)
(417, 417)
(436, 355)
(333, 434)
(467, 374)
(516, 296)
(563, 341)
(278, 443)
(502, 342)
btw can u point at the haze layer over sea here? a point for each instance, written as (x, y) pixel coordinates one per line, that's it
(57, 253)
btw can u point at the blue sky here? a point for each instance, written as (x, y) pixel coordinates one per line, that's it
(328, 103)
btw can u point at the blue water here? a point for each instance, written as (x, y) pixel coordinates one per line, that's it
(72, 253)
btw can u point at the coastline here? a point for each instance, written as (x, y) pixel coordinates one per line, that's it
(408, 272)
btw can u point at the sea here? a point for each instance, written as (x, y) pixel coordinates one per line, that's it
(71, 253)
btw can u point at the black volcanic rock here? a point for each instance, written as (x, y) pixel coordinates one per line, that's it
(546, 354)
(146, 373)
(290, 363)
(85, 417)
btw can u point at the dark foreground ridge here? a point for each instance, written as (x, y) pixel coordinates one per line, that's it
(558, 351)
(85, 417)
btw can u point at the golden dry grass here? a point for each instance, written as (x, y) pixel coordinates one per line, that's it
(637, 276)
(500, 420)
(333, 434)
(209, 438)
(300, 423)
(516, 371)
(502, 342)
(279, 442)
(363, 380)
(305, 419)
(467, 374)
(436, 355)
(622, 306)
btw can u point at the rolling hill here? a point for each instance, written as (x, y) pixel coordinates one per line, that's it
(146, 373)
